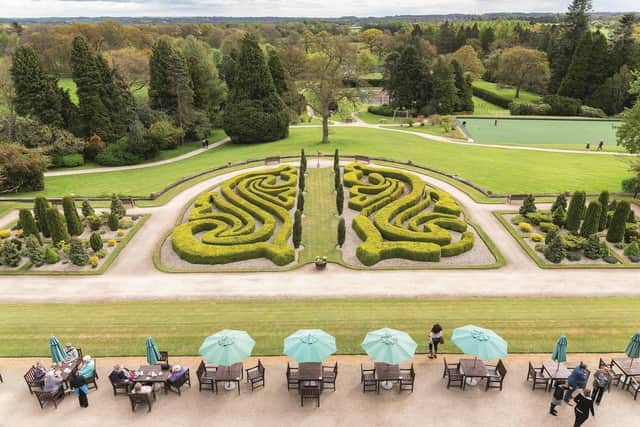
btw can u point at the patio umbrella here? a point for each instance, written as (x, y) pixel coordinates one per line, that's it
(560, 350)
(227, 347)
(389, 346)
(633, 348)
(57, 353)
(481, 343)
(153, 354)
(309, 345)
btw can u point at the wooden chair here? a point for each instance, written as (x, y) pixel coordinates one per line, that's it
(32, 383)
(164, 358)
(536, 375)
(255, 375)
(92, 383)
(634, 387)
(329, 376)
(176, 385)
(310, 392)
(407, 379)
(80, 356)
(368, 380)
(448, 366)
(455, 378)
(615, 376)
(495, 378)
(206, 378)
(119, 386)
(145, 399)
(292, 377)
(45, 398)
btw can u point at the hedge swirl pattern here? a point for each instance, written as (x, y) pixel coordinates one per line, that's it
(248, 218)
(394, 220)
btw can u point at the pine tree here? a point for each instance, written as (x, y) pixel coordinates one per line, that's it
(297, 229)
(57, 227)
(341, 232)
(463, 87)
(528, 205)
(28, 224)
(36, 94)
(34, 250)
(96, 241)
(278, 74)
(561, 200)
(603, 199)
(487, 37)
(116, 97)
(444, 92)
(40, 211)
(87, 209)
(589, 67)
(117, 208)
(254, 112)
(591, 219)
(407, 78)
(615, 233)
(78, 254)
(559, 216)
(592, 247)
(340, 199)
(576, 209)
(74, 225)
(208, 90)
(555, 251)
(9, 254)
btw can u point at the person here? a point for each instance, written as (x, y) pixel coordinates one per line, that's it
(206, 143)
(51, 382)
(39, 372)
(79, 384)
(584, 405)
(600, 145)
(203, 143)
(435, 338)
(588, 147)
(495, 122)
(464, 123)
(176, 372)
(118, 375)
(88, 368)
(71, 353)
(141, 389)
(601, 380)
(577, 379)
(556, 400)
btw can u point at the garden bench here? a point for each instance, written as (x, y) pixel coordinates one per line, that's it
(310, 390)
(634, 387)
(454, 377)
(361, 159)
(164, 358)
(272, 160)
(515, 198)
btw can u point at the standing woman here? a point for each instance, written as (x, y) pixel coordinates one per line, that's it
(435, 338)
(78, 383)
(584, 405)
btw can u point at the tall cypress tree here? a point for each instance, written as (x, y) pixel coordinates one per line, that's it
(74, 225)
(591, 219)
(116, 97)
(40, 212)
(574, 213)
(463, 86)
(37, 94)
(445, 97)
(603, 199)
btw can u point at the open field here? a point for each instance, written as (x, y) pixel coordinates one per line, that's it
(549, 133)
(485, 108)
(507, 92)
(116, 329)
(500, 170)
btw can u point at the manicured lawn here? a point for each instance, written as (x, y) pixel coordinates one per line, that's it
(499, 170)
(430, 130)
(141, 95)
(485, 108)
(115, 329)
(557, 132)
(375, 119)
(506, 92)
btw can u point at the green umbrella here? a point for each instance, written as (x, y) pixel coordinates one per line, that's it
(57, 353)
(227, 347)
(309, 345)
(483, 344)
(389, 346)
(153, 354)
(560, 350)
(633, 348)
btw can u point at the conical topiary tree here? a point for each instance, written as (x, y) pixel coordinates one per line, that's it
(559, 216)
(74, 225)
(57, 227)
(340, 199)
(28, 224)
(528, 205)
(337, 180)
(87, 209)
(342, 231)
(113, 222)
(561, 200)
(615, 233)
(117, 207)
(34, 250)
(96, 241)
(604, 203)
(300, 204)
(40, 212)
(576, 209)
(555, 251)
(78, 254)
(591, 219)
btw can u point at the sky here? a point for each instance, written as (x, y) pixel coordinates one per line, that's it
(294, 8)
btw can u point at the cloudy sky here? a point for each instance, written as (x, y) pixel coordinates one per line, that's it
(310, 8)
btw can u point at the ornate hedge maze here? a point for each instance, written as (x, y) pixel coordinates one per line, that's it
(246, 218)
(399, 217)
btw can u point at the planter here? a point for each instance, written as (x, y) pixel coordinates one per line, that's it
(321, 265)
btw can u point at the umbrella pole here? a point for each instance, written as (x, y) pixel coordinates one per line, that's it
(475, 359)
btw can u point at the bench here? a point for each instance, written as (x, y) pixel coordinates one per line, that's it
(515, 198)
(272, 160)
(362, 159)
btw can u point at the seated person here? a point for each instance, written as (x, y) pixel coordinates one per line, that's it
(88, 368)
(176, 372)
(119, 375)
(51, 383)
(141, 389)
(39, 372)
(71, 353)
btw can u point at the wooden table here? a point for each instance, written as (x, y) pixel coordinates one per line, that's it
(555, 372)
(629, 367)
(387, 374)
(230, 376)
(144, 375)
(310, 371)
(64, 371)
(474, 370)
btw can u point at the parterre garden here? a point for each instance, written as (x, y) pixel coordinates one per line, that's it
(574, 233)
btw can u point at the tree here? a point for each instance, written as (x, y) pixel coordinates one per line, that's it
(603, 199)
(74, 225)
(592, 247)
(628, 132)
(591, 219)
(278, 74)
(36, 94)
(561, 200)
(554, 251)
(9, 254)
(132, 64)
(365, 61)
(326, 70)
(40, 212)
(487, 37)
(615, 233)
(559, 216)
(575, 211)
(28, 224)
(523, 68)
(87, 209)
(341, 232)
(631, 185)
(96, 241)
(297, 229)
(34, 250)
(254, 111)
(446, 39)
(374, 39)
(464, 89)
(300, 203)
(625, 49)
(94, 146)
(467, 57)
(406, 78)
(589, 67)
(163, 135)
(528, 205)
(57, 227)
(340, 199)
(444, 97)
(113, 222)
(78, 254)
(613, 95)
(117, 208)
(21, 169)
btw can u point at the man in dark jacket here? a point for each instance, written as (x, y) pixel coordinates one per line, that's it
(558, 394)
(577, 379)
(584, 405)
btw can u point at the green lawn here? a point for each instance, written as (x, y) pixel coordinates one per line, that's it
(179, 327)
(485, 108)
(430, 130)
(506, 92)
(499, 170)
(141, 95)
